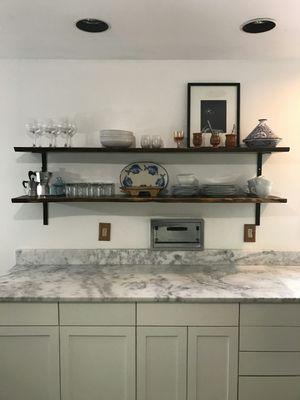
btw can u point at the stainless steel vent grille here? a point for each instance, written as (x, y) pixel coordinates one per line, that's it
(181, 234)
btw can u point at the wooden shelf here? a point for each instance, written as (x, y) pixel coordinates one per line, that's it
(262, 150)
(165, 199)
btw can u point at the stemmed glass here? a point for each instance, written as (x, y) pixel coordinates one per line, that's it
(71, 130)
(34, 130)
(178, 138)
(51, 130)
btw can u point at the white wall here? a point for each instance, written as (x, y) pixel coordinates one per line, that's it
(146, 97)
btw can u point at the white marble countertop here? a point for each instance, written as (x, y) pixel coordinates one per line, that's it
(145, 283)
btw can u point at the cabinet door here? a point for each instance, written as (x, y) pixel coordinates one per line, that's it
(97, 363)
(29, 363)
(161, 363)
(212, 363)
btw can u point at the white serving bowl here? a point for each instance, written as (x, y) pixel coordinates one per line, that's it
(115, 132)
(122, 142)
(187, 180)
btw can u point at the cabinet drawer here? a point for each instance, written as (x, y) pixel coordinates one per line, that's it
(269, 388)
(270, 314)
(97, 314)
(28, 314)
(270, 363)
(188, 314)
(269, 339)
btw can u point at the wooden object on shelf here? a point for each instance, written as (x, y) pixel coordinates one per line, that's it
(152, 150)
(158, 199)
(141, 191)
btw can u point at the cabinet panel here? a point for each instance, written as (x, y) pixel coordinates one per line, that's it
(184, 314)
(269, 338)
(29, 363)
(161, 363)
(212, 363)
(97, 314)
(98, 363)
(269, 363)
(28, 314)
(269, 388)
(270, 314)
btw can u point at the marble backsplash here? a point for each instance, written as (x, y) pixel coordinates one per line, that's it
(151, 257)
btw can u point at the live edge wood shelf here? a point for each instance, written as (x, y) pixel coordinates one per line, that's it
(257, 201)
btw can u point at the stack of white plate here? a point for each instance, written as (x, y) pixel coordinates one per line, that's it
(116, 138)
(185, 191)
(219, 190)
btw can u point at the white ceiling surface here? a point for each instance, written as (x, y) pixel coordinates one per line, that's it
(148, 29)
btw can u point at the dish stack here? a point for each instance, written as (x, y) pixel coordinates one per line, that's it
(188, 186)
(113, 138)
(219, 190)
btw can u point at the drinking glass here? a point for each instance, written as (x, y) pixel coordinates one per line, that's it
(71, 130)
(34, 130)
(156, 142)
(51, 131)
(145, 141)
(178, 138)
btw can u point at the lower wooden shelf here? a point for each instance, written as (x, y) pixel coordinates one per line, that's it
(162, 199)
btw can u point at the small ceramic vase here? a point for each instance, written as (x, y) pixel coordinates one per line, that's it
(230, 140)
(197, 139)
(215, 140)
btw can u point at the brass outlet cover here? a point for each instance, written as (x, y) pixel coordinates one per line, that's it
(104, 231)
(249, 233)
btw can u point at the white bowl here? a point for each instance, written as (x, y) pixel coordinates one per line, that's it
(187, 180)
(115, 132)
(116, 142)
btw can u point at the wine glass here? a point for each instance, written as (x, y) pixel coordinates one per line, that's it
(62, 128)
(34, 130)
(145, 141)
(71, 130)
(178, 138)
(51, 131)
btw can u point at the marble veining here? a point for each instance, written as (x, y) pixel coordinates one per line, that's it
(151, 283)
(150, 257)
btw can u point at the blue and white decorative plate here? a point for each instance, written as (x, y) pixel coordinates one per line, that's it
(144, 174)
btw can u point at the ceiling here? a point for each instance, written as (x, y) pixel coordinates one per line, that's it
(148, 29)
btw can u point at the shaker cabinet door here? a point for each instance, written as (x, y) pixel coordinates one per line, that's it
(212, 363)
(97, 363)
(29, 363)
(161, 363)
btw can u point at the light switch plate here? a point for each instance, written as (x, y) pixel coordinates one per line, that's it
(249, 233)
(104, 231)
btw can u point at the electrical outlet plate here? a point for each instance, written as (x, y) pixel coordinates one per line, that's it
(104, 231)
(249, 233)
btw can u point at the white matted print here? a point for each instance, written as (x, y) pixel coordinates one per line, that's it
(213, 106)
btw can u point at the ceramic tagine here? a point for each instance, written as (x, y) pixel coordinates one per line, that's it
(262, 136)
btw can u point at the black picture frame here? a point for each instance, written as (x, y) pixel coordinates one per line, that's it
(190, 86)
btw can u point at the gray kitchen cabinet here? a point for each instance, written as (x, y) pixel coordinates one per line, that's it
(98, 363)
(269, 365)
(29, 363)
(212, 363)
(161, 363)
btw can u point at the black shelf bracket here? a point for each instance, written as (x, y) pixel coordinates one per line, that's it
(45, 213)
(259, 161)
(44, 161)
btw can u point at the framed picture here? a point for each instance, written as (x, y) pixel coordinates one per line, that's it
(213, 107)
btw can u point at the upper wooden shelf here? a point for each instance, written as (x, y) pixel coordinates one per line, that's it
(161, 150)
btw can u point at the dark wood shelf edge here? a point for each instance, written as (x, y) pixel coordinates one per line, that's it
(125, 199)
(171, 150)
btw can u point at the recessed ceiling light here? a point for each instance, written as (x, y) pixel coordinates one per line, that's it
(258, 25)
(92, 25)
